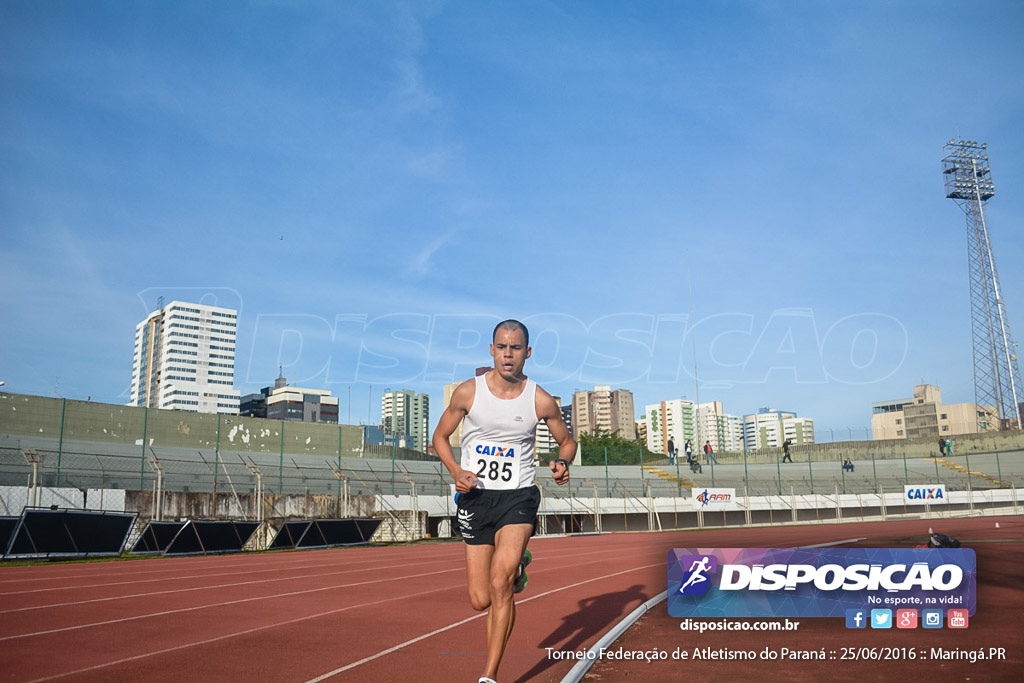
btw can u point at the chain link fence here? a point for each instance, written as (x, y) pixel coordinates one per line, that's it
(165, 462)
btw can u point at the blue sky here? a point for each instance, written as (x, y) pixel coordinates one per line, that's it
(375, 184)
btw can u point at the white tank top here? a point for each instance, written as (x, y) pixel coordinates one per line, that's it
(498, 436)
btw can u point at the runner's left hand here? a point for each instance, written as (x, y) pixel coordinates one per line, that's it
(559, 472)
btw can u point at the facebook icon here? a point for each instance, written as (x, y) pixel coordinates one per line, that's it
(856, 618)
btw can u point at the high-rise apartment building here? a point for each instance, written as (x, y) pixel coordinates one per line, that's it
(681, 420)
(724, 431)
(603, 410)
(185, 359)
(926, 417)
(769, 428)
(405, 417)
(672, 419)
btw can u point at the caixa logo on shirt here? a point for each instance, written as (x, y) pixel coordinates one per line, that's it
(496, 451)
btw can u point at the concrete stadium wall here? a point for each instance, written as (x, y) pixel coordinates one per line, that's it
(48, 423)
(889, 449)
(398, 525)
(24, 419)
(410, 518)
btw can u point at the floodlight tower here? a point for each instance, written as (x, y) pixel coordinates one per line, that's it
(997, 379)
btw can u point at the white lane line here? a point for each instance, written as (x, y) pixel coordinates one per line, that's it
(208, 587)
(417, 639)
(163, 613)
(218, 604)
(296, 620)
(111, 598)
(215, 639)
(209, 572)
(833, 543)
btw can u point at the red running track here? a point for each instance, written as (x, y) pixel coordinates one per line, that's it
(388, 613)
(997, 623)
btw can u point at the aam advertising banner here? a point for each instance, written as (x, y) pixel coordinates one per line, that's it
(713, 499)
(817, 582)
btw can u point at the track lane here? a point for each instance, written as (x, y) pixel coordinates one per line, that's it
(360, 614)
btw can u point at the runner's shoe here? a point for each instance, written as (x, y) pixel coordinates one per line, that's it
(521, 577)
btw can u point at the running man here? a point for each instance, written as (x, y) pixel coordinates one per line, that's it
(495, 480)
(697, 571)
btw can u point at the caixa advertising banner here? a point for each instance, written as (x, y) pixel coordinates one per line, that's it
(817, 582)
(924, 494)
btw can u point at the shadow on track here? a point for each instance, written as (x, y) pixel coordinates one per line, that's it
(593, 616)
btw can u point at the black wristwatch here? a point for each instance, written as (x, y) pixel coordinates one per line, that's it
(563, 462)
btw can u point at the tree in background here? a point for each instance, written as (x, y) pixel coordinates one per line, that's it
(621, 451)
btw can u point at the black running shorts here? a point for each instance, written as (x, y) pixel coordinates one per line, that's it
(481, 513)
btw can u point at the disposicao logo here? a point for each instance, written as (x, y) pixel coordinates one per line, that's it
(697, 581)
(822, 582)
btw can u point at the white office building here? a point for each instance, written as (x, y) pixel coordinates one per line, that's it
(769, 428)
(681, 420)
(724, 431)
(185, 359)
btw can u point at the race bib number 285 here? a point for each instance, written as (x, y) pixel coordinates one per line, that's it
(496, 466)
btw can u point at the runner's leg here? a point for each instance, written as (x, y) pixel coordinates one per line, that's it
(509, 545)
(478, 575)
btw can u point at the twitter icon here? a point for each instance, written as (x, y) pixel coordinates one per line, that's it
(881, 618)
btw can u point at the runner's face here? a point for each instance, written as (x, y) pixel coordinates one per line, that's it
(510, 352)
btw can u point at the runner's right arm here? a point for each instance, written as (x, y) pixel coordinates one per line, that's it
(462, 401)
